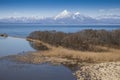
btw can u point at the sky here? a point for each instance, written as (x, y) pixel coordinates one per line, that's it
(48, 8)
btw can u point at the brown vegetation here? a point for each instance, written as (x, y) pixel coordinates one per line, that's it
(86, 40)
(67, 56)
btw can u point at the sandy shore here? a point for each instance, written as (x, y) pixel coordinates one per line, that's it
(101, 71)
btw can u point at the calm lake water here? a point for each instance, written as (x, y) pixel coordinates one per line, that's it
(10, 45)
(19, 71)
(23, 30)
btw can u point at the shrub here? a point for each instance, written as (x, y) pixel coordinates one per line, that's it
(85, 40)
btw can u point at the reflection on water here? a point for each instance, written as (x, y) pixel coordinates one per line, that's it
(38, 46)
(12, 45)
(19, 71)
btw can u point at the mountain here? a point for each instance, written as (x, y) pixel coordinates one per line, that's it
(63, 14)
(65, 17)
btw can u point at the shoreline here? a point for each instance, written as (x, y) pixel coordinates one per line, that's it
(78, 61)
(80, 70)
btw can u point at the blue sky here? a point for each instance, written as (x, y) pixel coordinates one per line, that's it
(47, 8)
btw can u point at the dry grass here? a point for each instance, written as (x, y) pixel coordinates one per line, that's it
(63, 55)
(111, 55)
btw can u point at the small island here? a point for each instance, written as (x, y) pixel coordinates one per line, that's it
(4, 35)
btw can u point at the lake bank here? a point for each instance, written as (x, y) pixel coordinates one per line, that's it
(73, 59)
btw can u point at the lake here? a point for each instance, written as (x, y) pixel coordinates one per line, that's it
(23, 30)
(11, 45)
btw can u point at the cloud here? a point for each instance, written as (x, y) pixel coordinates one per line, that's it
(112, 11)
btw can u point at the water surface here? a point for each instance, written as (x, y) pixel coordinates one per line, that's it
(23, 30)
(10, 45)
(18, 71)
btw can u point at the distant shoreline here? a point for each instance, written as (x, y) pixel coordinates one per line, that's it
(66, 24)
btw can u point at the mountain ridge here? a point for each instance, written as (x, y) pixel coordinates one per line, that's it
(65, 17)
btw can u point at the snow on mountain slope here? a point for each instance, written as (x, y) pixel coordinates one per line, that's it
(65, 17)
(63, 14)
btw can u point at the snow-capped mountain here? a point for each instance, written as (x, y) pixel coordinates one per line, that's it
(63, 14)
(65, 17)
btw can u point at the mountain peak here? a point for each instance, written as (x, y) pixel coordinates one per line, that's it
(63, 14)
(77, 13)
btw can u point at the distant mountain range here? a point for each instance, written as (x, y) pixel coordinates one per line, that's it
(65, 17)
